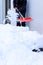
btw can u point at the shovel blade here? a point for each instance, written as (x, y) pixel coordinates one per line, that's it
(27, 19)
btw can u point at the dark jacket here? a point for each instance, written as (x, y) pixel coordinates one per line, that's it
(21, 5)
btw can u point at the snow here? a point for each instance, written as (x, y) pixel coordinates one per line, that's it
(12, 16)
(16, 44)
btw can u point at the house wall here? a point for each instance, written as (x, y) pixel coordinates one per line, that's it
(2, 11)
(35, 10)
(11, 4)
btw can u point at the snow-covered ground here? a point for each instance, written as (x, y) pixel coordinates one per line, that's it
(16, 44)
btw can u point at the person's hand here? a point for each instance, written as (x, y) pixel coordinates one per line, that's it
(15, 8)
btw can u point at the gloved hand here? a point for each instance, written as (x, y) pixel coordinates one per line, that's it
(16, 8)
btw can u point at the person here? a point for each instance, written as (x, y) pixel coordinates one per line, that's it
(21, 6)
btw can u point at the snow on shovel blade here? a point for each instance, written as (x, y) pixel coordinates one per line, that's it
(27, 19)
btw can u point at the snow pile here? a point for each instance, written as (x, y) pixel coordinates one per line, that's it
(39, 43)
(11, 16)
(16, 44)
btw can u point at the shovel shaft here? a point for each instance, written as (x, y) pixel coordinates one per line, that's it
(19, 13)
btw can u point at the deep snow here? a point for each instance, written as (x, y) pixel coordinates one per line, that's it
(16, 44)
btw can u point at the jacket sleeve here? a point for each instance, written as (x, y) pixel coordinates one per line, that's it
(23, 7)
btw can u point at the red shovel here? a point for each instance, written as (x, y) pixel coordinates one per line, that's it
(24, 19)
